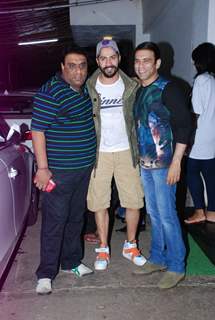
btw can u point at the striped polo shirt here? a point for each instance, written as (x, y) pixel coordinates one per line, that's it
(66, 118)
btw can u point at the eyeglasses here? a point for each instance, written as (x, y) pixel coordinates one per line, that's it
(75, 67)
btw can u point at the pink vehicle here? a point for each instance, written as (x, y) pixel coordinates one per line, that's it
(18, 196)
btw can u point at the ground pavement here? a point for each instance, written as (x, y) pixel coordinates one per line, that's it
(113, 294)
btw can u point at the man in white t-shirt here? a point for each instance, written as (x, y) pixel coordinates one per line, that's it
(113, 93)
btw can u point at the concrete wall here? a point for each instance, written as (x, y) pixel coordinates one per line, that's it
(122, 12)
(211, 22)
(181, 24)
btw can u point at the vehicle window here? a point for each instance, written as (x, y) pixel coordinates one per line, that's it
(16, 103)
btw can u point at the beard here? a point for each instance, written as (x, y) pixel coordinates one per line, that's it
(109, 72)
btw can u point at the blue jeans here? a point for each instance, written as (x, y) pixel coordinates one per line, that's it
(196, 167)
(167, 246)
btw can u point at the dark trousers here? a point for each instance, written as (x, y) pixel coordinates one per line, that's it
(90, 222)
(62, 222)
(195, 184)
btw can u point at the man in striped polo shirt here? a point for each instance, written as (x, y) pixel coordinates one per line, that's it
(64, 143)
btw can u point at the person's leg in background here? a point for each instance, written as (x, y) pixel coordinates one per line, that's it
(120, 214)
(196, 188)
(90, 228)
(90, 233)
(208, 172)
(181, 191)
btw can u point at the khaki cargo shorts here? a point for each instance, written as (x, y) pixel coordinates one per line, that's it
(127, 178)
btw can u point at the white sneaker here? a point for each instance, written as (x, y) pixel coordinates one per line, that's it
(44, 286)
(79, 271)
(102, 259)
(131, 252)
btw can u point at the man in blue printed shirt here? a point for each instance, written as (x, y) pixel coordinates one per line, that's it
(64, 143)
(163, 129)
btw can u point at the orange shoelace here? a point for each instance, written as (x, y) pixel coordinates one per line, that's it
(134, 252)
(103, 256)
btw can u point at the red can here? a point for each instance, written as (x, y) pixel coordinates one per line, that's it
(50, 186)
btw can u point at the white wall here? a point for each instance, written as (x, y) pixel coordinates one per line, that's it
(211, 22)
(152, 10)
(181, 23)
(122, 12)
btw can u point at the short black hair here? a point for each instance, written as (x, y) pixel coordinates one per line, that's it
(149, 46)
(204, 58)
(70, 49)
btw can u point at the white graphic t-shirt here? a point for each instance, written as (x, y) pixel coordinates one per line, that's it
(113, 131)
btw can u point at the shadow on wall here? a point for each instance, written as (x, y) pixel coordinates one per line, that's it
(126, 51)
(167, 57)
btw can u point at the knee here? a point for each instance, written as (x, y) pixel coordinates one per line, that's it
(132, 210)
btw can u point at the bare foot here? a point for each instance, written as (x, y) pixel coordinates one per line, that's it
(197, 217)
(210, 216)
(91, 238)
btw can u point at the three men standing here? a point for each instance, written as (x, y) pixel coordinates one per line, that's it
(64, 142)
(113, 93)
